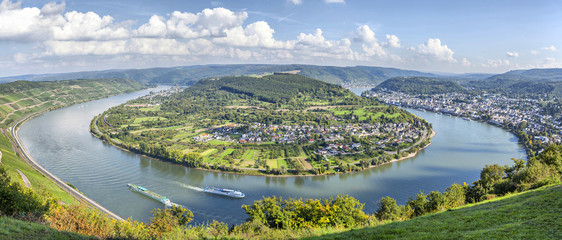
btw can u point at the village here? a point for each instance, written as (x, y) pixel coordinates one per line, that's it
(496, 109)
(332, 139)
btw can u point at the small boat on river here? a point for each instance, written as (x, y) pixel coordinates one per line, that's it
(224, 192)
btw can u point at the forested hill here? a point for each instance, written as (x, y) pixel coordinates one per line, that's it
(540, 75)
(276, 88)
(523, 83)
(189, 75)
(420, 85)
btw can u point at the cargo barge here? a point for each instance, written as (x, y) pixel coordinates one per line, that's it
(150, 194)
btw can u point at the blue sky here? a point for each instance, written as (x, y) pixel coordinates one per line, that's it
(433, 36)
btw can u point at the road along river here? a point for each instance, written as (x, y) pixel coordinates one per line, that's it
(60, 141)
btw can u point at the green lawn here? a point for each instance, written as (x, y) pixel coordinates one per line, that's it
(147, 119)
(226, 152)
(209, 151)
(281, 162)
(535, 214)
(249, 154)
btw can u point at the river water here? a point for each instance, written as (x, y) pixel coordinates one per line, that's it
(60, 141)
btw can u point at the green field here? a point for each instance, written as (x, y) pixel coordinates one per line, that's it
(147, 119)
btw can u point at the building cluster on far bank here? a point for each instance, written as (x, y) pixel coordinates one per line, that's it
(523, 114)
(333, 136)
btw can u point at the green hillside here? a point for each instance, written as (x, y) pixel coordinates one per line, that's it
(20, 98)
(523, 83)
(11, 228)
(535, 214)
(420, 85)
(541, 75)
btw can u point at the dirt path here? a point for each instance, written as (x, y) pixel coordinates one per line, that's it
(25, 180)
(326, 107)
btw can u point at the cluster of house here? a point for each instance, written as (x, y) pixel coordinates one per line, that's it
(495, 109)
(333, 134)
(163, 93)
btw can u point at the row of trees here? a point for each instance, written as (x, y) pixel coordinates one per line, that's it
(495, 180)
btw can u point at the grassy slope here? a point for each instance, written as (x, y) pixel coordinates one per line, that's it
(535, 214)
(17, 229)
(39, 183)
(63, 94)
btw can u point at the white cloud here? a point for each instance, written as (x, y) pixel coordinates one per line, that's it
(258, 34)
(88, 26)
(7, 5)
(207, 23)
(393, 40)
(52, 8)
(370, 44)
(550, 48)
(495, 63)
(334, 1)
(48, 23)
(23, 24)
(466, 63)
(512, 54)
(365, 34)
(296, 2)
(433, 48)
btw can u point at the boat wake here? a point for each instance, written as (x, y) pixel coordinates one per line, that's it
(191, 187)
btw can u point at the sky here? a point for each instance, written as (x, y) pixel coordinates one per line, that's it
(38, 37)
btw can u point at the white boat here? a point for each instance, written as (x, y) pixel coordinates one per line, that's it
(224, 192)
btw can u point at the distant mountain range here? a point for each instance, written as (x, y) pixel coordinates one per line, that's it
(523, 83)
(532, 81)
(190, 74)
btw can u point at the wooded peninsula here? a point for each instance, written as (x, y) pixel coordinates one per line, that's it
(278, 124)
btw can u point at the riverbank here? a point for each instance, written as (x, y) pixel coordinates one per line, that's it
(21, 161)
(63, 185)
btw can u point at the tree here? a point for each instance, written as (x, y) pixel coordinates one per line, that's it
(388, 209)
(490, 175)
(165, 220)
(419, 204)
(455, 195)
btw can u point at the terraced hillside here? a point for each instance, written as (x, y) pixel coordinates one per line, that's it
(20, 98)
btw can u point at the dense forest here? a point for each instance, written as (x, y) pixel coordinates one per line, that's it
(273, 124)
(420, 85)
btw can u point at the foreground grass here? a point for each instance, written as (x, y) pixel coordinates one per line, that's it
(535, 214)
(16, 229)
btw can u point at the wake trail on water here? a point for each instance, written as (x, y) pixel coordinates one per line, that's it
(191, 187)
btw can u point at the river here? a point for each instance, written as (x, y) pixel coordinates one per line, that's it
(60, 141)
